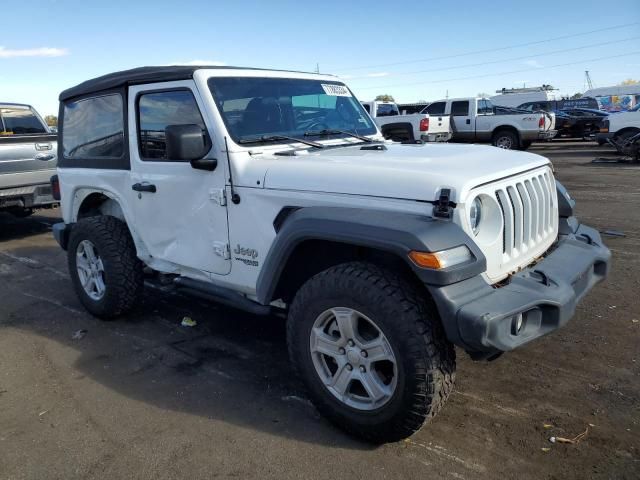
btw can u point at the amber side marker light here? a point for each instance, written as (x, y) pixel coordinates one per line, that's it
(442, 259)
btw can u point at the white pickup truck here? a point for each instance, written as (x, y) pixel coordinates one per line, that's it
(620, 126)
(408, 128)
(477, 120)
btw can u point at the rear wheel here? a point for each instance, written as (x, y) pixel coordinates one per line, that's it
(371, 351)
(506, 139)
(105, 271)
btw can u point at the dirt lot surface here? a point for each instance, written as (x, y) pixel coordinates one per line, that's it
(144, 397)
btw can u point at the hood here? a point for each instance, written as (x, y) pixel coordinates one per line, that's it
(413, 172)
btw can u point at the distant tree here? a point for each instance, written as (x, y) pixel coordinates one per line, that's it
(576, 96)
(629, 81)
(385, 98)
(421, 101)
(483, 95)
(51, 120)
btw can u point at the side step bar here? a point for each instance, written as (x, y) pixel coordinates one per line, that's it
(230, 298)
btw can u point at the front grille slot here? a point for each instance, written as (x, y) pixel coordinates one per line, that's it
(528, 211)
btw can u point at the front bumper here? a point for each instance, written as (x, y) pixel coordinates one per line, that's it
(602, 137)
(484, 319)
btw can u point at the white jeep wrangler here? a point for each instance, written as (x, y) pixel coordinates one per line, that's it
(272, 190)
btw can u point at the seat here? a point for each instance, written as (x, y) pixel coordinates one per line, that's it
(262, 116)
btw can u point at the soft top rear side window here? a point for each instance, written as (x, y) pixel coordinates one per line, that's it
(93, 132)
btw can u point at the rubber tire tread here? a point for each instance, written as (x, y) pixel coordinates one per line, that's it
(426, 354)
(124, 277)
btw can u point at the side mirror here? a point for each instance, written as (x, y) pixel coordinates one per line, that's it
(185, 142)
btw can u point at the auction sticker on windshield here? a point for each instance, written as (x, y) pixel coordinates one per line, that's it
(336, 90)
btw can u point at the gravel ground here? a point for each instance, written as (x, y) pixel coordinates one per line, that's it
(145, 398)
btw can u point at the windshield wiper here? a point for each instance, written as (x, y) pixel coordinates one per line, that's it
(275, 138)
(318, 133)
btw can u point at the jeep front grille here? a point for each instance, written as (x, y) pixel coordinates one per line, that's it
(527, 206)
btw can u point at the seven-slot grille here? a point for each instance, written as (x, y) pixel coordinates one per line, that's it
(528, 211)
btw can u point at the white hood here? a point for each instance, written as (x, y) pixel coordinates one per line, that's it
(415, 172)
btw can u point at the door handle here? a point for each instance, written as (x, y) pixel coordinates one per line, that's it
(468, 121)
(44, 156)
(144, 187)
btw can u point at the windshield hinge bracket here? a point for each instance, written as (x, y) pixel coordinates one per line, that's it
(443, 207)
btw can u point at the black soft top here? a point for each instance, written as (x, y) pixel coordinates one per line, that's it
(137, 76)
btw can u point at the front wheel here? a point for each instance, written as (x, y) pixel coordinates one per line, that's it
(105, 271)
(506, 139)
(371, 351)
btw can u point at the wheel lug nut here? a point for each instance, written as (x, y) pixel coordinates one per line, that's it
(341, 351)
(349, 367)
(362, 369)
(350, 343)
(364, 353)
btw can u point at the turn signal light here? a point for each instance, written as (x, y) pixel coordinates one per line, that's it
(424, 125)
(425, 260)
(442, 259)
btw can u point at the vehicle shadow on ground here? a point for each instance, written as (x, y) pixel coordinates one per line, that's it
(231, 367)
(14, 228)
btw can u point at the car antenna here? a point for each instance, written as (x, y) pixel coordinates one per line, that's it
(235, 198)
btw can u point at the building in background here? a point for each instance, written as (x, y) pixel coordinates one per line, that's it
(618, 98)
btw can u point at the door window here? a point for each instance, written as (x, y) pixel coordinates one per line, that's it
(157, 110)
(19, 121)
(460, 109)
(484, 107)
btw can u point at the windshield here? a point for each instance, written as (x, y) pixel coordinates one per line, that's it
(19, 121)
(265, 107)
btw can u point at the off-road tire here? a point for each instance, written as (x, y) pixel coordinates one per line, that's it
(515, 141)
(426, 359)
(123, 271)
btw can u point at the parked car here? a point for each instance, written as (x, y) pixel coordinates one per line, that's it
(407, 128)
(572, 121)
(620, 126)
(476, 120)
(27, 160)
(275, 191)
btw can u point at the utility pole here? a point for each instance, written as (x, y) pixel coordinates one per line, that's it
(587, 79)
(317, 68)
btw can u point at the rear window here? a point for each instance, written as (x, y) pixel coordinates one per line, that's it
(20, 121)
(435, 108)
(387, 110)
(94, 127)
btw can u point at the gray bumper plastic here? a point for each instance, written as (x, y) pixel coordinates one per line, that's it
(484, 320)
(61, 233)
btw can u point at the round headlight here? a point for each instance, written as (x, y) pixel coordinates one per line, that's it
(475, 215)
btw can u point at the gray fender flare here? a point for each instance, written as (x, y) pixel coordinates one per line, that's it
(393, 232)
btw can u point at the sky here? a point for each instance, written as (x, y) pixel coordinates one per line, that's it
(426, 51)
